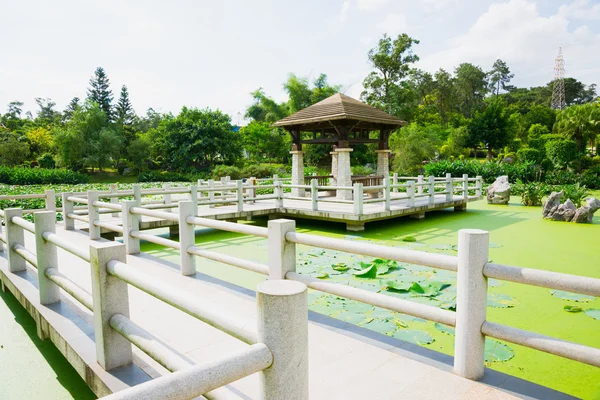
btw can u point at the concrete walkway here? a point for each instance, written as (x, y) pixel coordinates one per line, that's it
(346, 362)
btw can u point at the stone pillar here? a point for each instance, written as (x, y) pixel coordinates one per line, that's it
(334, 166)
(297, 172)
(383, 162)
(344, 175)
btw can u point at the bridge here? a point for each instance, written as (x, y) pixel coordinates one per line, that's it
(135, 326)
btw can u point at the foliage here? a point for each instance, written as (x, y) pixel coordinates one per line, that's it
(361, 170)
(259, 171)
(490, 127)
(561, 152)
(40, 140)
(580, 123)
(471, 87)
(532, 192)
(138, 153)
(156, 176)
(577, 193)
(385, 87)
(197, 139)
(221, 171)
(412, 145)
(590, 178)
(36, 176)
(46, 161)
(499, 77)
(528, 154)
(524, 171)
(100, 93)
(13, 151)
(262, 142)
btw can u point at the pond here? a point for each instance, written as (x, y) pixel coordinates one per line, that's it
(518, 236)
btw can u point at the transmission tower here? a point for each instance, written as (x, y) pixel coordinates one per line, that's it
(558, 92)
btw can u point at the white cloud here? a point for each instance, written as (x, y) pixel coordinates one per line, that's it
(395, 24)
(345, 8)
(436, 5)
(581, 10)
(515, 32)
(371, 5)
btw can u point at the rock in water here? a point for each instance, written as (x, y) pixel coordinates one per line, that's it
(567, 211)
(585, 214)
(499, 191)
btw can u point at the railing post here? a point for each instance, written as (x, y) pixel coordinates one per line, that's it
(449, 187)
(194, 197)
(431, 189)
(167, 199)
(50, 200)
(387, 193)
(282, 254)
(420, 187)
(471, 303)
(14, 235)
(314, 194)
(110, 297)
(479, 186)
(410, 193)
(395, 181)
(282, 319)
(358, 198)
(200, 192)
(239, 188)
(1, 242)
(131, 222)
(137, 194)
(211, 193)
(67, 208)
(252, 190)
(466, 186)
(278, 191)
(187, 238)
(45, 221)
(114, 188)
(93, 215)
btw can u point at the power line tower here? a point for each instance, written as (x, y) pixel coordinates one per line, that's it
(558, 92)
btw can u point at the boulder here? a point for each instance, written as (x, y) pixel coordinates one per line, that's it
(499, 191)
(585, 214)
(567, 211)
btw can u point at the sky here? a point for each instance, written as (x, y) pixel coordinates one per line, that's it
(213, 54)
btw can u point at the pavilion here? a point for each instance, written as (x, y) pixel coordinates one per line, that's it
(341, 121)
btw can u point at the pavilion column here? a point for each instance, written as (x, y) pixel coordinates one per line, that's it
(344, 175)
(297, 173)
(383, 162)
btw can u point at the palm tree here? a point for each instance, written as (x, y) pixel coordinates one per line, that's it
(579, 122)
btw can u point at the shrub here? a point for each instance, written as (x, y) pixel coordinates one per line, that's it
(560, 178)
(46, 161)
(258, 171)
(529, 154)
(577, 193)
(533, 192)
(40, 176)
(221, 171)
(156, 176)
(362, 170)
(591, 178)
(525, 171)
(561, 152)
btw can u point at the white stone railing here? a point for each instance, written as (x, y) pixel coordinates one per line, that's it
(111, 274)
(271, 348)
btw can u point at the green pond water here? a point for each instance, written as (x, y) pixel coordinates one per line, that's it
(518, 236)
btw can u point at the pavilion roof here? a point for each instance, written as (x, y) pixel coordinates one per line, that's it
(340, 107)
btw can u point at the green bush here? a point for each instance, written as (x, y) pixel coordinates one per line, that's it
(577, 193)
(221, 171)
(529, 154)
(590, 178)
(258, 171)
(525, 171)
(40, 176)
(532, 193)
(362, 170)
(562, 152)
(561, 178)
(47, 161)
(156, 176)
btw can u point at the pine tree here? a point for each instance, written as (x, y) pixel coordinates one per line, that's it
(71, 108)
(124, 110)
(100, 92)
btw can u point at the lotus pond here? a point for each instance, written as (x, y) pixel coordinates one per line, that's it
(518, 236)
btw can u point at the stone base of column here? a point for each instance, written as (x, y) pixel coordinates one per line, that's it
(344, 174)
(462, 207)
(355, 226)
(297, 173)
(418, 216)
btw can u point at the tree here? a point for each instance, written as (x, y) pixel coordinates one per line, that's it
(490, 127)
(124, 112)
(499, 77)
(100, 92)
(539, 114)
(412, 145)
(471, 86)
(46, 114)
(579, 122)
(12, 119)
(386, 87)
(12, 151)
(71, 108)
(40, 140)
(264, 143)
(265, 108)
(138, 153)
(198, 139)
(561, 152)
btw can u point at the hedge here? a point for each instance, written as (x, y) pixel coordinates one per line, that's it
(524, 171)
(40, 176)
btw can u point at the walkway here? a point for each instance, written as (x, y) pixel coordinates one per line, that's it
(346, 362)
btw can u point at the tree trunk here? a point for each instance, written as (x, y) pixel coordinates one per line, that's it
(489, 152)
